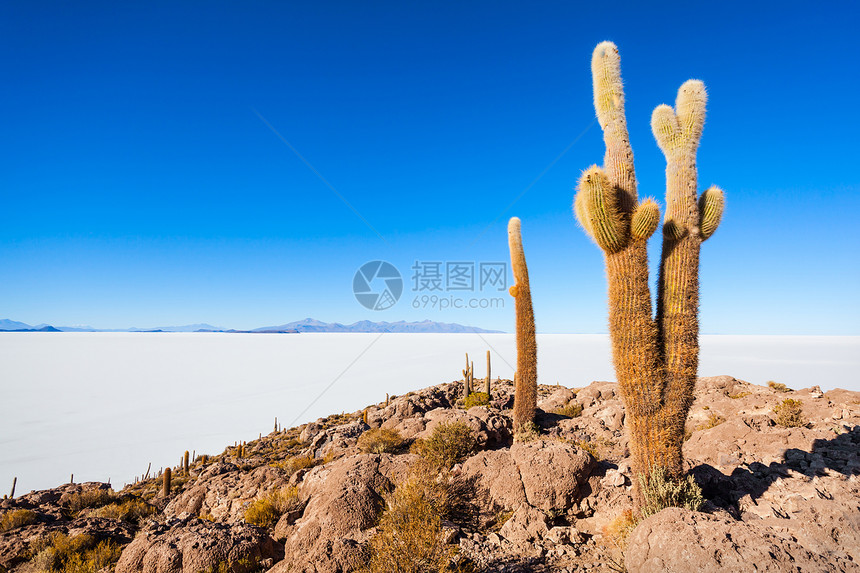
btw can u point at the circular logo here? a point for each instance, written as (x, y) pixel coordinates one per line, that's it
(377, 285)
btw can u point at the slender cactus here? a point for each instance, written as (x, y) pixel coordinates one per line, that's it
(525, 393)
(467, 378)
(655, 358)
(165, 486)
(14, 483)
(186, 464)
(487, 381)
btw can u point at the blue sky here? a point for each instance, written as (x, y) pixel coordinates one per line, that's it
(140, 187)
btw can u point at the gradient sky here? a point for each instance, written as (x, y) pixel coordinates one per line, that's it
(140, 187)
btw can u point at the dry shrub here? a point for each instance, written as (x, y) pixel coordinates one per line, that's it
(739, 395)
(659, 491)
(789, 413)
(476, 399)
(78, 554)
(449, 443)
(266, 511)
(713, 421)
(131, 510)
(380, 441)
(589, 447)
(778, 387)
(409, 537)
(296, 463)
(89, 498)
(527, 432)
(17, 518)
(571, 410)
(615, 536)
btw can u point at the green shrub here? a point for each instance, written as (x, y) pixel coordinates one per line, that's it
(659, 491)
(779, 387)
(380, 441)
(266, 511)
(17, 518)
(449, 443)
(571, 410)
(476, 399)
(789, 413)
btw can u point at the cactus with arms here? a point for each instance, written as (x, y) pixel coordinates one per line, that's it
(656, 358)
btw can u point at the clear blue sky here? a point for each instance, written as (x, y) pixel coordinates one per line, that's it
(139, 187)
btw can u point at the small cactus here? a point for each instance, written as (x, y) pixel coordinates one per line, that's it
(525, 394)
(185, 464)
(467, 378)
(165, 486)
(487, 381)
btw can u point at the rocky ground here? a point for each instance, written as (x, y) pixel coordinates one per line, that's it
(778, 498)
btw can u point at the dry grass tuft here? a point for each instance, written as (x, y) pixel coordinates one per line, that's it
(409, 538)
(476, 399)
(78, 554)
(17, 518)
(380, 441)
(266, 511)
(713, 421)
(778, 387)
(571, 410)
(659, 491)
(86, 499)
(789, 414)
(449, 443)
(131, 510)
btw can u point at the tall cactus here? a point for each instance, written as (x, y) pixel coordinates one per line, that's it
(655, 359)
(525, 393)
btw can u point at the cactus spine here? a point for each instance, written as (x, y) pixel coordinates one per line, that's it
(655, 358)
(525, 393)
(165, 487)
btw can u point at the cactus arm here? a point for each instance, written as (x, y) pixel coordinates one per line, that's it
(711, 205)
(609, 105)
(525, 393)
(678, 283)
(645, 220)
(596, 208)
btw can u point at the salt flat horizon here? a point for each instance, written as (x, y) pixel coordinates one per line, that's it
(103, 405)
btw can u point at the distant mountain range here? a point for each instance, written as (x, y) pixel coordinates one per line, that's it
(306, 325)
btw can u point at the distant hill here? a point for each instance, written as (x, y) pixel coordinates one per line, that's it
(306, 325)
(401, 326)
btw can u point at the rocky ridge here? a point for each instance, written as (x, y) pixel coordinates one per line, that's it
(786, 499)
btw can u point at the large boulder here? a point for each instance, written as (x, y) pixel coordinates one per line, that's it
(543, 474)
(344, 501)
(195, 545)
(225, 495)
(681, 541)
